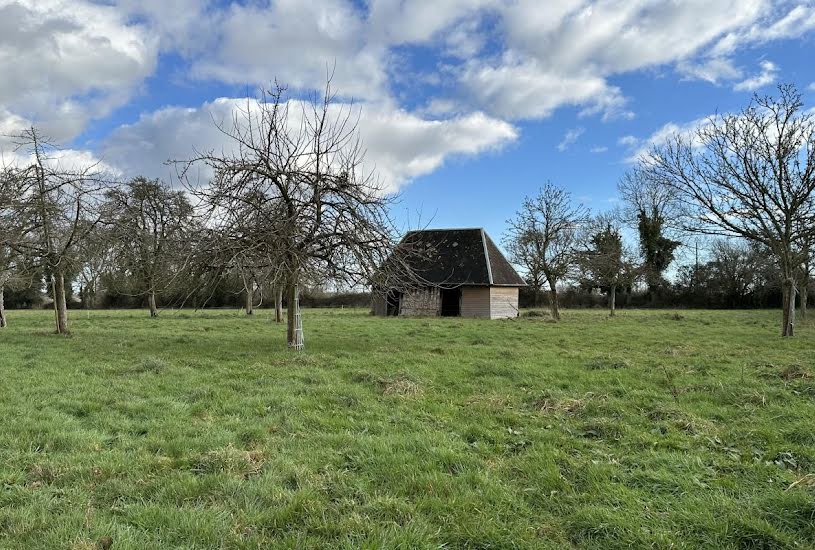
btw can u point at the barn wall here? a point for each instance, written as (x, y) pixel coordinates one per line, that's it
(475, 301)
(421, 303)
(503, 302)
(379, 305)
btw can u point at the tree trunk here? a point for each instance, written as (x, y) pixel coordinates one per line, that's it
(612, 301)
(278, 305)
(151, 302)
(250, 300)
(788, 303)
(60, 305)
(804, 298)
(3, 321)
(553, 297)
(294, 327)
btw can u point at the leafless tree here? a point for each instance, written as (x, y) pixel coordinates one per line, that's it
(16, 227)
(752, 175)
(149, 225)
(604, 261)
(297, 166)
(542, 236)
(96, 257)
(64, 206)
(806, 271)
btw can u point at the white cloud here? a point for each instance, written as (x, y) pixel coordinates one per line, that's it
(514, 59)
(628, 141)
(400, 145)
(65, 62)
(524, 89)
(598, 149)
(564, 54)
(811, 87)
(768, 75)
(571, 136)
(777, 25)
(420, 21)
(639, 148)
(713, 70)
(299, 42)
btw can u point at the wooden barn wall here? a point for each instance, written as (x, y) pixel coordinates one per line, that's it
(503, 302)
(475, 301)
(421, 303)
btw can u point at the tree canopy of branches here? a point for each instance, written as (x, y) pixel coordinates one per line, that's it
(14, 230)
(542, 236)
(604, 261)
(63, 208)
(736, 271)
(652, 206)
(752, 175)
(295, 168)
(150, 224)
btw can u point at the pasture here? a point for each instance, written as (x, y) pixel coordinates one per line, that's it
(198, 430)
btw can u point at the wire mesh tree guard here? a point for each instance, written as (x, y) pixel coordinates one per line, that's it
(297, 344)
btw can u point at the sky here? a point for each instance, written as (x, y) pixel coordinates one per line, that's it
(465, 106)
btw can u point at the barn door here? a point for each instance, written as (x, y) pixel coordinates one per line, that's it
(451, 302)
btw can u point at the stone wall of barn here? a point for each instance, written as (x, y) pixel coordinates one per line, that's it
(503, 302)
(421, 303)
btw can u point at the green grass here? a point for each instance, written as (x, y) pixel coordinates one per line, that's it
(198, 430)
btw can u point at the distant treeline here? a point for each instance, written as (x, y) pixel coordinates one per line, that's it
(225, 296)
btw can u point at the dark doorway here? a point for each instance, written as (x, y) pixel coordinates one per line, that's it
(451, 302)
(392, 302)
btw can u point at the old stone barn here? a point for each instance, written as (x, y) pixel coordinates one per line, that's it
(466, 276)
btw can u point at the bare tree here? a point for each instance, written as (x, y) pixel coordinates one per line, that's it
(149, 224)
(604, 261)
(751, 175)
(653, 209)
(806, 271)
(96, 257)
(15, 233)
(64, 207)
(297, 165)
(542, 237)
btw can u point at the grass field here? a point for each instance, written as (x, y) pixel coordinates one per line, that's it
(198, 430)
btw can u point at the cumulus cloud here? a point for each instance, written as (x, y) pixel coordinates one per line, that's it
(300, 42)
(400, 145)
(480, 62)
(522, 88)
(512, 59)
(65, 62)
(768, 75)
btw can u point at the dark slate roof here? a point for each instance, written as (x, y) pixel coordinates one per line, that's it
(461, 257)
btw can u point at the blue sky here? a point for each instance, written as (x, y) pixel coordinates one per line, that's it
(465, 105)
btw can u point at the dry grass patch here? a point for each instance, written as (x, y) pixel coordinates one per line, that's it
(549, 404)
(795, 372)
(231, 460)
(400, 385)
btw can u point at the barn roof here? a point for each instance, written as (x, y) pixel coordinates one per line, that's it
(461, 257)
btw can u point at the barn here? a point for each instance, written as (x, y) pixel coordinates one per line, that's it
(467, 276)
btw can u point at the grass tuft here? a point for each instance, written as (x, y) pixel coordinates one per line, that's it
(401, 385)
